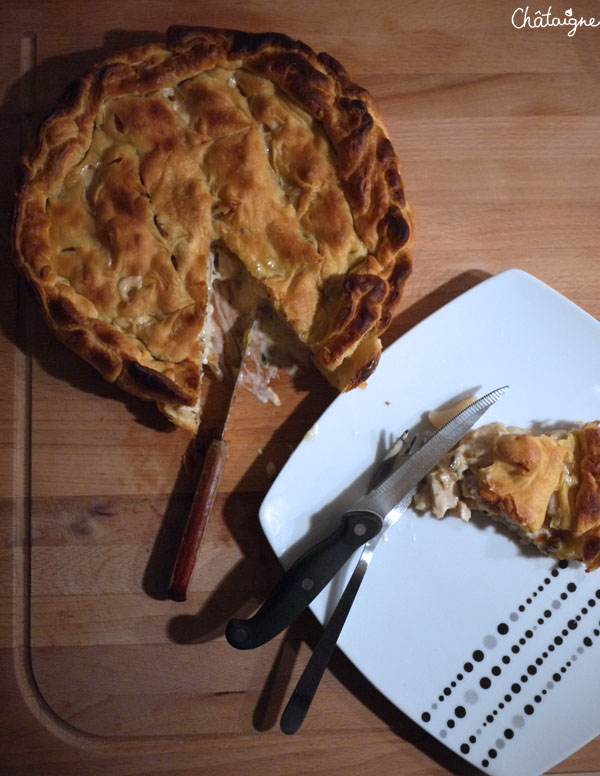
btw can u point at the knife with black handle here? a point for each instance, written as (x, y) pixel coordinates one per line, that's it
(304, 580)
(375, 513)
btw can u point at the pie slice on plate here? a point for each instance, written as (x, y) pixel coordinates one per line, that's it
(544, 486)
(169, 160)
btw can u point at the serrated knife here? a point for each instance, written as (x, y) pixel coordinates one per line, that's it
(375, 512)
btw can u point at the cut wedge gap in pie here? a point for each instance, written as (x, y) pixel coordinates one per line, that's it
(544, 486)
(216, 141)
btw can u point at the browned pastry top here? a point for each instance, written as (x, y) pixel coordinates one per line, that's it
(217, 137)
(525, 473)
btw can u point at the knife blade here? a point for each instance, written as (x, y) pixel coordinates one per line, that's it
(374, 514)
(207, 488)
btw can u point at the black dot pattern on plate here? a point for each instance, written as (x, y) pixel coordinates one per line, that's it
(491, 641)
(537, 662)
(530, 707)
(531, 673)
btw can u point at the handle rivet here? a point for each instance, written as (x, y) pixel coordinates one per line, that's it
(307, 584)
(240, 634)
(360, 529)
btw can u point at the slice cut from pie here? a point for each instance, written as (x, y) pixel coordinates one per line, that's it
(544, 486)
(216, 141)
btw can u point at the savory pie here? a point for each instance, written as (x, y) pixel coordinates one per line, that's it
(166, 158)
(544, 486)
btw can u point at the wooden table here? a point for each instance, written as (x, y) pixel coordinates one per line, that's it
(498, 130)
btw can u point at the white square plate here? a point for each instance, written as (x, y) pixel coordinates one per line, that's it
(493, 648)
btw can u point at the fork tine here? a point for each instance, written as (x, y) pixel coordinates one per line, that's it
(406, 444)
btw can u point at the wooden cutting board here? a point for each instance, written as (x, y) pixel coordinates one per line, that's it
(498, 130)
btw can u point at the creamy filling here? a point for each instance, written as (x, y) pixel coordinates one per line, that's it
(127, 286)
(237, 327)
(178, 103)
(258, 372)
(452, 487)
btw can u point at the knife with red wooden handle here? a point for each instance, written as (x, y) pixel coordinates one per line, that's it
(204, 497)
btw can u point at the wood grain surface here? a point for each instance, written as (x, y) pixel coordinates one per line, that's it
(498, 130)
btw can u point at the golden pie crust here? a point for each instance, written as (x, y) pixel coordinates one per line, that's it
(214, 138)
(545, 486)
